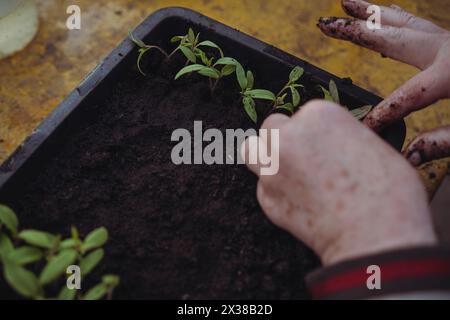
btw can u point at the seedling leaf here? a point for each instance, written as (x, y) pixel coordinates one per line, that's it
(209, 72)
(250, 108)
(204, 58)
(9, 219)
(288, 106)
(96, 293)
(88, 263)
(241, 77)
(295, 97)
(24, 255)
(188, 54)
(262, 94)
(326, 94)
(250, 80)
(210, 44)
(69, 243)
(226, 61)
(22, 280)
(362, 112)
(334, 92)
(57, 265)
(228, 69)
(191, 35)
(111, 280)
(95, 239)
(189, 69)
(296, 74)
(38, 238)
(6, 245)
(67, 294)
(176, 39)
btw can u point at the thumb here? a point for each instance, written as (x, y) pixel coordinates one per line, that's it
(254, 148)
(250, 154)
(429, 146)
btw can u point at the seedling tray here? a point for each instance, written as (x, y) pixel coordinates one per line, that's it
(209, 239)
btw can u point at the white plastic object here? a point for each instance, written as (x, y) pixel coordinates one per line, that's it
(19, 23)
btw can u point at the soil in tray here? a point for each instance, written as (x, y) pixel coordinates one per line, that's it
(189, 231)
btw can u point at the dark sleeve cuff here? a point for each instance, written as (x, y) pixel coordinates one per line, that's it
(401, 271)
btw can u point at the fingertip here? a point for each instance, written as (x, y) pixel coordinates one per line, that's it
(355, 8)
(275, 121)
(373, 122)
(249, 153)
(414, 158)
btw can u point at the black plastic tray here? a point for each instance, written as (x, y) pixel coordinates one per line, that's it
(157, 28)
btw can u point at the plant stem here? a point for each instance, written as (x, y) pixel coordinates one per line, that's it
(171, 54)
(282, 90)
(157, 48)
(215, 85)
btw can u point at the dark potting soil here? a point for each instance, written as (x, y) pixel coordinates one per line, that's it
(188, 231)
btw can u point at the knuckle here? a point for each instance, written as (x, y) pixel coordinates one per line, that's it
(406, 17)
(396, 34)
(317, 107)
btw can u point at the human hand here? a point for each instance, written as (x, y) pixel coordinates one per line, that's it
(414, 41)
(340, 188)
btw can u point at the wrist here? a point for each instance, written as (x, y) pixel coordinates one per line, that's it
(370, 240)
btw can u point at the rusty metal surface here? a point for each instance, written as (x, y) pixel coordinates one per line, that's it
(35, 80)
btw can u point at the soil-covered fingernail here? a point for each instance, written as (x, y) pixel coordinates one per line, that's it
(354, 8)
(341, 28)
(414, 158)
(325, 21)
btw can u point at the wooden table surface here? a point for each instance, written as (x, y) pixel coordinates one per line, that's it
(34, 81)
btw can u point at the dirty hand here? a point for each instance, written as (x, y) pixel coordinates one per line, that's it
(340, 197)
(414, 41)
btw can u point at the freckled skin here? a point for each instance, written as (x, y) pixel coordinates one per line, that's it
(429, 146)
(344, 29)
(337, 195)
(414, 41)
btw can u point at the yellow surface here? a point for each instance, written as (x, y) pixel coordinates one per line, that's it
(34, 81)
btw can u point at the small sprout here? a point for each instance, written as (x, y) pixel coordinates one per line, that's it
(246, 82)
(242, 78)
(143, 49)
(223, 67)
(332, 93)
(261, 94)
(291, 86)
(47, 250)
(362, 112)
(250, 108)
(8, 219)
(190, 45)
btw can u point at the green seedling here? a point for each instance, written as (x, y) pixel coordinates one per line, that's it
(333, 95)
(223, 67)
(190, 45)
(246, 82)
(191, 48)
(49, 256)
(292, 87)
(362, 112)
(143, 49)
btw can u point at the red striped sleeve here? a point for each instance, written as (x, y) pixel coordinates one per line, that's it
(401, 271)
